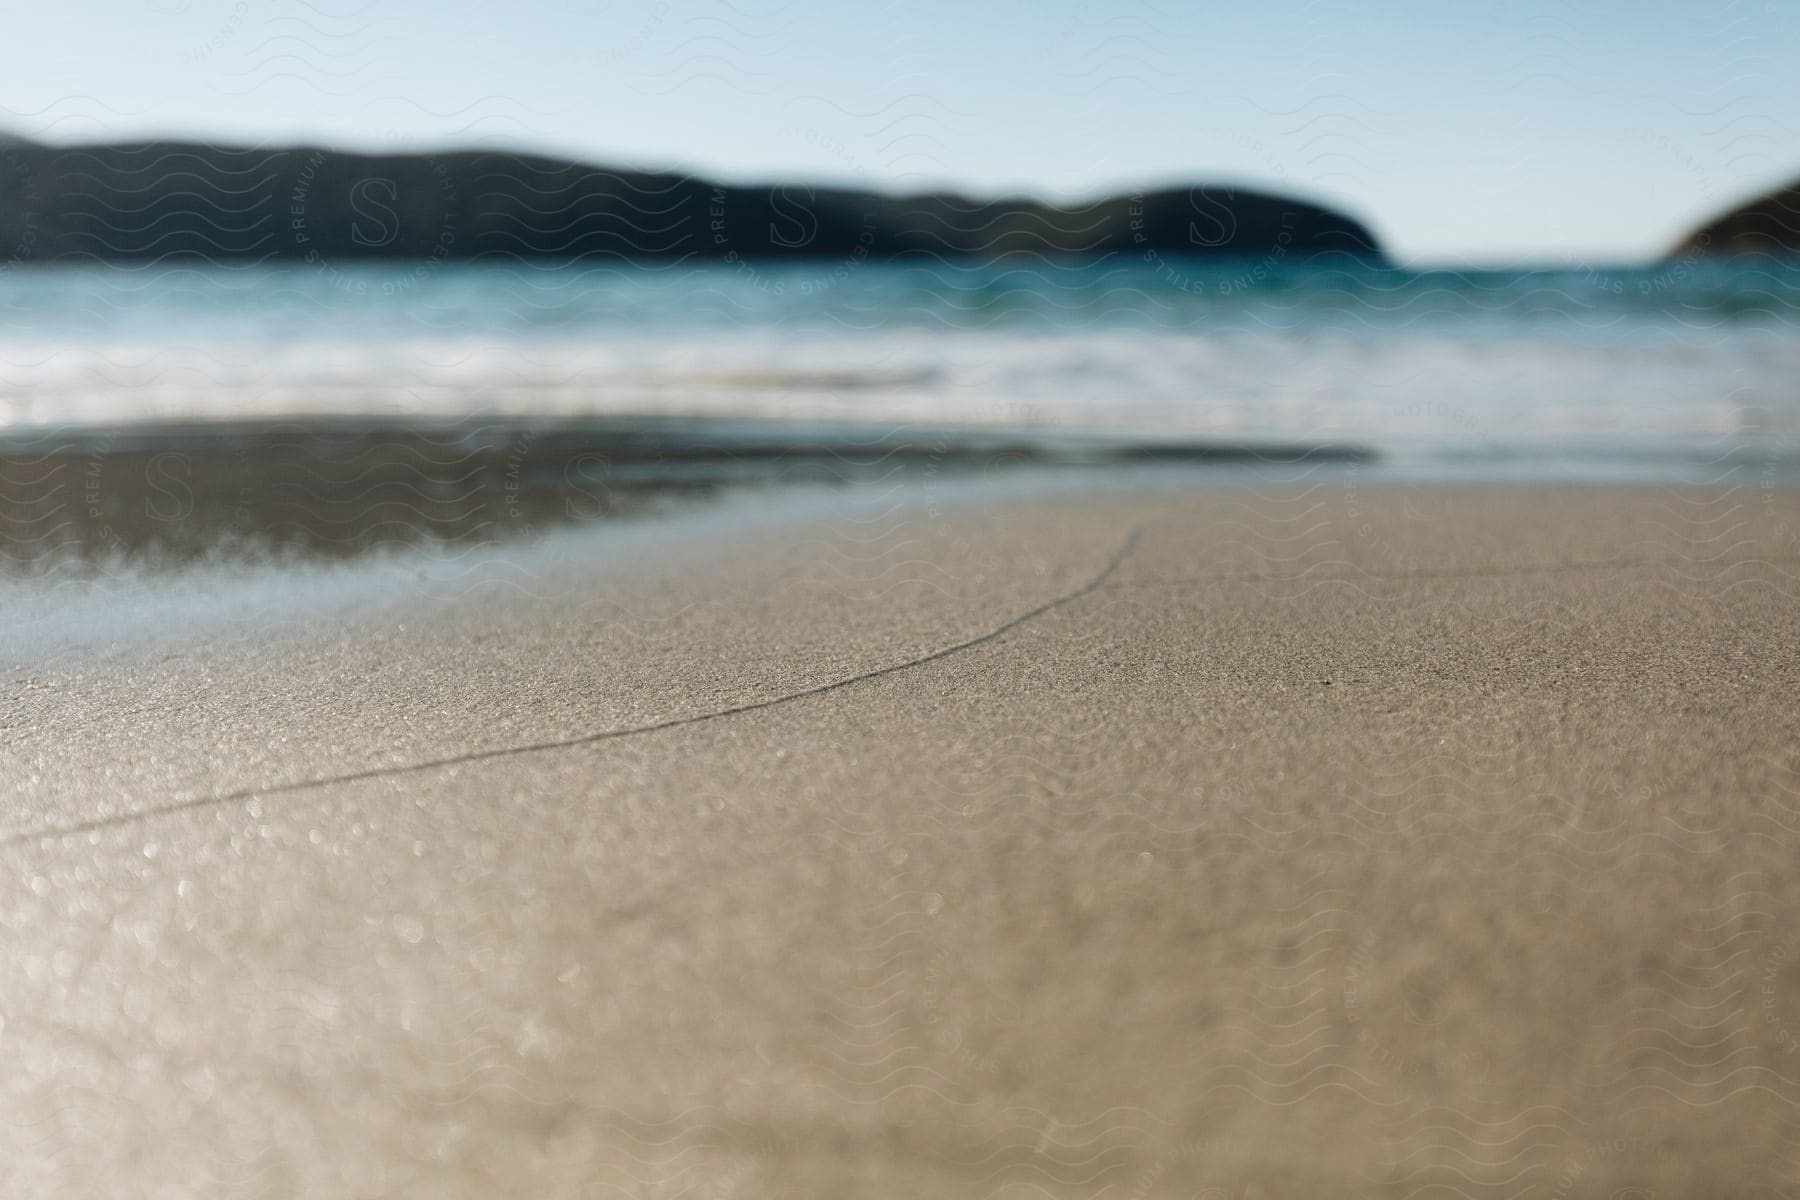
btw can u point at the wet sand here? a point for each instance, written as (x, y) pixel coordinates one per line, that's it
(1048, 836)
(168, 493)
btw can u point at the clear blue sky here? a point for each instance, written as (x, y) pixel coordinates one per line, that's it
(1462, 129)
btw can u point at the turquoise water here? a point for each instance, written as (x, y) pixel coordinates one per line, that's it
(1575, 369)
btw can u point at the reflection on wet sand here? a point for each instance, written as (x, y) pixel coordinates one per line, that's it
(339, 487)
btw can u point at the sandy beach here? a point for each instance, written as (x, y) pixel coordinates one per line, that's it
(1284, 834)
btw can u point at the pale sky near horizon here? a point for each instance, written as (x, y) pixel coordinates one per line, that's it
(1581, 131)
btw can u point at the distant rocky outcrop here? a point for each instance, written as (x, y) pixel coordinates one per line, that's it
(169, 200)
(1769, 224)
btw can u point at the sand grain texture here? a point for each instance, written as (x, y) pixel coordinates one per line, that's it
(1291, 839)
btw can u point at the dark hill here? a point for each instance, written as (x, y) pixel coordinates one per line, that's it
(180, 200)
(1769, 224)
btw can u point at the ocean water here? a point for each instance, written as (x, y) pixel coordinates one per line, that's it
(1688, 367)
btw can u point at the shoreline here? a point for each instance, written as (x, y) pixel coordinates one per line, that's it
(169, 493)
(174, 492)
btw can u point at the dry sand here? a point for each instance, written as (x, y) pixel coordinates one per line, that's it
(1294, 838)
